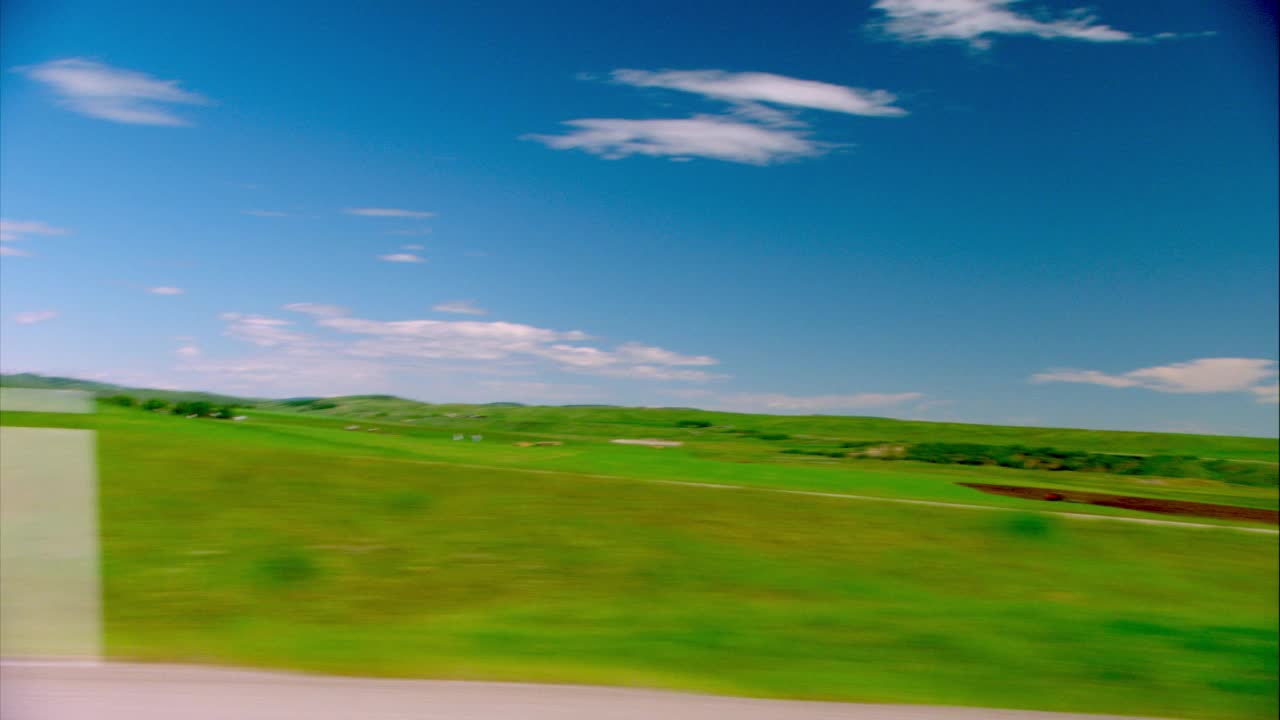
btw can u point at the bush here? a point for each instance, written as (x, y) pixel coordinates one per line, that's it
(693, 423)
(860, 444)
(1029, 526)
(287, 567)
(774, 436)
(155, 404)
(199, 408)
(820, 452)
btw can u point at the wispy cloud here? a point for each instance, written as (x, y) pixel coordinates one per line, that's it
(460, 307)
(260, 330)
(109, 93)
(757, 87)
(388, 213)
(11, 230)
(473, 341)
(317, 309)
(10, 251)
(34, 316)
(782, 403)
(401, 258)
(1205, 375)
(410, 232)
(751, 131)
(977, 22)
(1269, 394)
(413, 247)
(187, 351)
(709, 136)
(266, 213)
(166, 290)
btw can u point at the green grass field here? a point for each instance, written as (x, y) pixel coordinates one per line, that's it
(286, 541)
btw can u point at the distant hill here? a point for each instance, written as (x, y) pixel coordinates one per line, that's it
(613, 421)
(101, 389)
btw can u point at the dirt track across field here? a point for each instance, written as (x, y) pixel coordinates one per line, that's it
(1129, 502)
(119, 691)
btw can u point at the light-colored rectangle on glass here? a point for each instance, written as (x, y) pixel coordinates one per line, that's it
(53, 401)
(50, 589)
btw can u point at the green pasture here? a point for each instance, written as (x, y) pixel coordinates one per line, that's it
(287, 541)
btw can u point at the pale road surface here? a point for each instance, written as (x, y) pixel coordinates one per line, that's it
(121, 691)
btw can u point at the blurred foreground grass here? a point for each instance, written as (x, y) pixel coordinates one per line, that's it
(278, 543)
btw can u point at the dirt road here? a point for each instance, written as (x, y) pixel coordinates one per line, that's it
(119, 691)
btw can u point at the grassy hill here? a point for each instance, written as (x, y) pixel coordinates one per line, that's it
(288, 540)
(100, 389)
(597, 421)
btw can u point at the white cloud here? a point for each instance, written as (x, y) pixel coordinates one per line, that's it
(261, 331)
(1266, 393)
(460, 307)
(266, 213)
(781, 403)
(413, 247)
(34, 316)
(401, 258)
(637, 353)
(101, 91)
(11, 230)
(388, 212)
(187, 351)
(411, 232)
(709, 136)
(978, 21)
(317, 309)
(650, 372)
(755, 87)
(1206, 375)
(11, 251)
(481, 344)
(166, 290)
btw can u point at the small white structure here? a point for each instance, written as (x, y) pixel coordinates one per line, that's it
(650, 442)
(351, 427)
(477, 438)
(238, 418)
(458, 436)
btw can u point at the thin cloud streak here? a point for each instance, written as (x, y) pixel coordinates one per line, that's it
(101, 91)
(977, 22)
(767, 87)
(708, 136)
(33, 317)
(460, 307)
(11, 230)
(401, 258)
(388, 213)
(1202, 376)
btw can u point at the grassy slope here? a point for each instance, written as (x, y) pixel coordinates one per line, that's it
(660, 422)
(716, 456)
(285, 541)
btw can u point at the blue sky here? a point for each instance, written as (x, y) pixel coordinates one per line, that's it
(975, 210)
